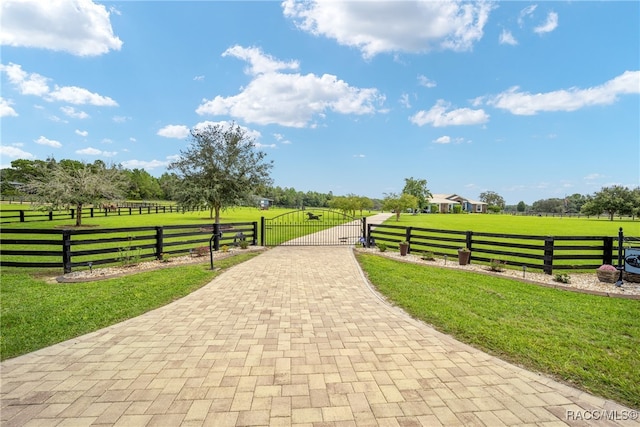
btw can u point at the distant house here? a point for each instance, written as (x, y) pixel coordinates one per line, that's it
(446, 202)
(264, 203)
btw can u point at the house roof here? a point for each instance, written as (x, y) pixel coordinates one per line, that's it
(449, 198)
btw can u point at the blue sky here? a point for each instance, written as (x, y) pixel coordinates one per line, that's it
(531, 100)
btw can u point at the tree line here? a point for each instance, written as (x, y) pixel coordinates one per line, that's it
(221, 168)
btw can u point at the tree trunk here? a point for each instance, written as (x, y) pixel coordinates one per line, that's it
(79, 215)
(217, 209)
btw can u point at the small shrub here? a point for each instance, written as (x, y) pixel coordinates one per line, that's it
(497, 265)
(224, 248)
(244, 244)
(382, 247)
(607, 267)
(428, 256)
(562, 278)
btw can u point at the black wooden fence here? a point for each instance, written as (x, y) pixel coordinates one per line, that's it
(546, 253)
(71, 248)
(8, 216)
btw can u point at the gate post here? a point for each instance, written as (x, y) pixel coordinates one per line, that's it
(216, 236)
(365, 236)
(254, 242)
(263, 228)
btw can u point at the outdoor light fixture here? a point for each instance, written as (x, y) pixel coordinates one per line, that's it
(90, 265)
(524, 271)
(445, 260)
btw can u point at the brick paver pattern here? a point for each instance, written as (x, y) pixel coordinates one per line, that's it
(295, 336)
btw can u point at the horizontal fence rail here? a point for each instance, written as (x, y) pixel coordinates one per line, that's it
(546, 253)
(8, 216)
(72, 248)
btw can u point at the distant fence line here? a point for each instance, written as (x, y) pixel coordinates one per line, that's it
(546, 253)
(87, 248)
(8, 216)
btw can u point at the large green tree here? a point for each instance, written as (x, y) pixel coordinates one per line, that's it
(221, 168)
(612, 200)
(399, 203)
(72, 183)
(494, 200)
(418, 189)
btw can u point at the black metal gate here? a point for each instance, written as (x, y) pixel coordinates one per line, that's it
(312, 227)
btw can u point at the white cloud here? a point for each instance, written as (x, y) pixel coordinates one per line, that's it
(48, 142)
(198, 78)
(426, 25)
(526, 12)
(290, 99)
(37, 85)
(404, 101)
(132, 139)
(26, 83)
(143, 164)
(507, 38)
(525, 103)
(121, 119)
(5, 108)
(550, 24)
(426, 82)
(90, 151)
(258, 145)
(14, 152)
(438, 116)
(250, 133)
(359, 156)
(281, 139)
(79, 27)
(107, 141)
(446, 139)
(78, 95)
(71, 112)
(81, 132)
(260, 63)
(174, 131)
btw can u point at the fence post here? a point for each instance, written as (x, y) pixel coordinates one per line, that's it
(364, 238)
(159, 242)
(548, 255)
(66, 251)
(50, 215)
(73, 213)
(407, 237)
(255, 233)
(263, 228)
(130, 211)
(369, 238)
(216, 236)
(607, 253)
(91, 212)
(21, 216)
(468, 243)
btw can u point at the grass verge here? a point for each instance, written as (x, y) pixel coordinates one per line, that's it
(588, 341)
(35, 314)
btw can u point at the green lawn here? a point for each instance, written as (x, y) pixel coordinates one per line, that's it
(512, 224)
(36, 314)
(589, 341)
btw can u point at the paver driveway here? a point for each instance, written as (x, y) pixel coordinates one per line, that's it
(292, 337)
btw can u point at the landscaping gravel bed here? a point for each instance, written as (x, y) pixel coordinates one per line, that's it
(582, 282)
